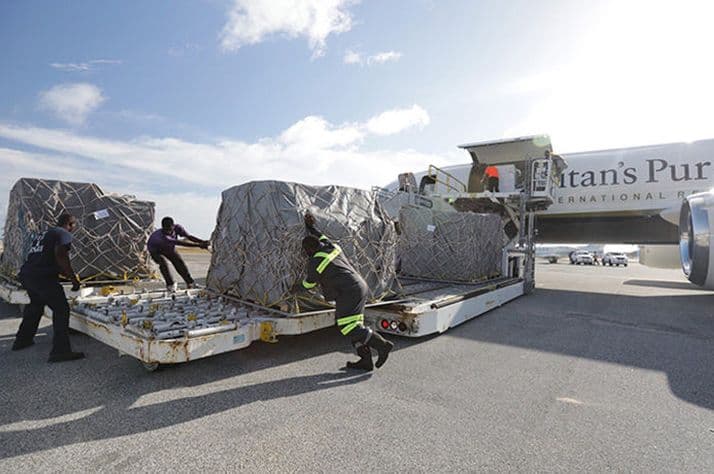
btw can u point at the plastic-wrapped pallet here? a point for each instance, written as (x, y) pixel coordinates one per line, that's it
(110, 242)
(257, 253)
(458, 246)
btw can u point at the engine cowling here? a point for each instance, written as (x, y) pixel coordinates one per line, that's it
(695, 238)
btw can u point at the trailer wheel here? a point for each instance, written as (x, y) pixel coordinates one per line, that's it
(150, 366)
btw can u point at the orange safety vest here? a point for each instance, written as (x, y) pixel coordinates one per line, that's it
(491, 172)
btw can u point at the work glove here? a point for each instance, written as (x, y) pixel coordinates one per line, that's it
(309, 219)
(297, 288)
(75, 285)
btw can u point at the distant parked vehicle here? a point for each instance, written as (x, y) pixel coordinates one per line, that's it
(615, 258)
(581, 257)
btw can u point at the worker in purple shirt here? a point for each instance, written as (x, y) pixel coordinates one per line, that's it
(162, 247)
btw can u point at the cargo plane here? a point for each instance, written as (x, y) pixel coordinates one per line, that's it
(657, 196)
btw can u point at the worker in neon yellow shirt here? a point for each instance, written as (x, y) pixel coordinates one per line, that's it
(340, 282)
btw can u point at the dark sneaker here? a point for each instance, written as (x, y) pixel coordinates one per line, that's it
(19, 345)
(67, 356)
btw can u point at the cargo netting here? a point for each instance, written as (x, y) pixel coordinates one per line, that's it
(110, 242)
(257, 253)
(454, 246)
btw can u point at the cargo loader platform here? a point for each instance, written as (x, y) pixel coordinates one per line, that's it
(431, 306)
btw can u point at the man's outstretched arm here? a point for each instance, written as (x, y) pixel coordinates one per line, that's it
(196, 239)
(181, 232)
(203, 244)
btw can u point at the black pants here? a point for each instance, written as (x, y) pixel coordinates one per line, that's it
(179, 265)
(350, 301)
(43, 293)
(493, 184)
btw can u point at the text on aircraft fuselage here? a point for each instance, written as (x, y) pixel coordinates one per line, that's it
(656, 169)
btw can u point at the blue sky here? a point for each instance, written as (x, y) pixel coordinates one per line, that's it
(175, 101)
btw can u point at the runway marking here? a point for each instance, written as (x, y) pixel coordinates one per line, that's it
(572, 401)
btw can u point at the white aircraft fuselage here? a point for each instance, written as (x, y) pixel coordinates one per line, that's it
(625, 195)
(642, 180)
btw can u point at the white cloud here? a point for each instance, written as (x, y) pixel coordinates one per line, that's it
(395, 121)
(315, 133)
(72, 102)
(386, 56)
(311, 151)
(354, 57)
(312, 140)
(85, 66)
(252, 21)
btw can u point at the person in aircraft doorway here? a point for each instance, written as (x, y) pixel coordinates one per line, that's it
(340, 282)
(490, 175)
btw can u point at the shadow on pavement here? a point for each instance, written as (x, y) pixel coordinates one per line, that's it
(111, 385)
(670, 334)
(670, 285)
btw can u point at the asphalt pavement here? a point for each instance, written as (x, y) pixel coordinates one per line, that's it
(600, 369)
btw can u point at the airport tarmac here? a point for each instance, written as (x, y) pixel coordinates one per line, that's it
(600, 369)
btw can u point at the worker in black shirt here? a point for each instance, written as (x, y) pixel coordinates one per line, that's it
(340, 282)
(39, 275)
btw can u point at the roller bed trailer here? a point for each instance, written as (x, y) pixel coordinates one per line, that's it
(426, 307)
(433, 306)
(211, 325)
(160, 328)
(220, 323)
(11, 292)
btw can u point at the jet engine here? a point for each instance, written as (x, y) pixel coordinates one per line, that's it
(695, 238)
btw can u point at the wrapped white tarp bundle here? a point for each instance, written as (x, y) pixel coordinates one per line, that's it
(457, 246)
(110, 242)
(257, 253)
